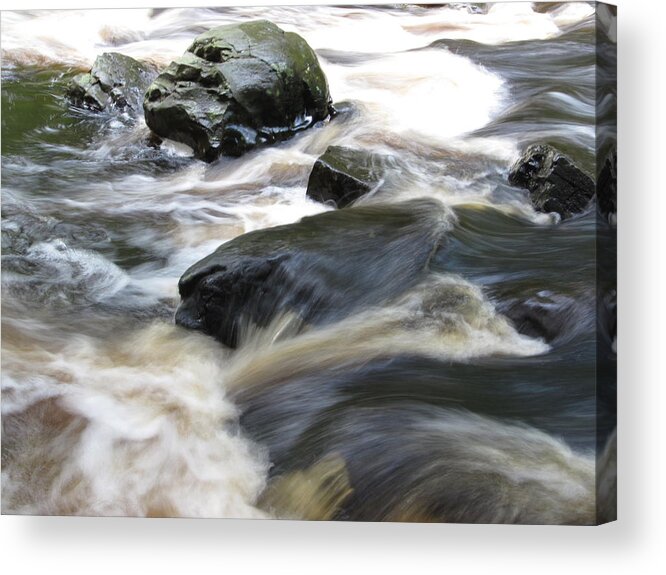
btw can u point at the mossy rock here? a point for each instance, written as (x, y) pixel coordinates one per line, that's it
(236, 87)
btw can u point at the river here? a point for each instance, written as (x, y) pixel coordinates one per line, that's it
(430, 408)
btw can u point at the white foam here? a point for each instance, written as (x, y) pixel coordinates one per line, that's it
(67, 36)
(77, 273)
(75, 37)
(148, 434)
(571, 13)
(445, 317)
(431, 92)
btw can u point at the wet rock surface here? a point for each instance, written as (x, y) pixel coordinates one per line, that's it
(342, 175)
(114, 81)
(554, 182)
(321, 268)
(607, 187)
(236, 87)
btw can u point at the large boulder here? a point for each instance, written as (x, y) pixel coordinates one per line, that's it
(555, 183)
(115, 80)
(238, 86)
(342, 175)
(321, 268)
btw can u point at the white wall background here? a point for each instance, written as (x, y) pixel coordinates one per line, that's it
(635, 544)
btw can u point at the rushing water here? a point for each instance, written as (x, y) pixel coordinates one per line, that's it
(431, 407)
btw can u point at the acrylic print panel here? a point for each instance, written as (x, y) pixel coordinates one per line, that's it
(309, 262)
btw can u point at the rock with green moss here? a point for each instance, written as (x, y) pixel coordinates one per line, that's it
(236, 87)
(114, 81)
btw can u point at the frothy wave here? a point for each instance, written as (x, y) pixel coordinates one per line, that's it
(445, 318)
(137, 427)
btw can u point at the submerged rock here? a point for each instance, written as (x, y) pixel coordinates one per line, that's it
(238, 86)
(343, 175)
(346, 110)
(544, 315)
(555, 183)
(607, 187)
(115, 80)
(321, 268)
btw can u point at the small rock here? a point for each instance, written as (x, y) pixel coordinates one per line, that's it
(115, 80)
(342, 175)
(544, 315)
(345, 110)
(555, 183)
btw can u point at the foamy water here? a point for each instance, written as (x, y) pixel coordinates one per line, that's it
(109, 409)
(142, 428)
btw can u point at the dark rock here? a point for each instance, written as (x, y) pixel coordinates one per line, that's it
(554, 316)
(544, 315)
(115, 80)
(345, 110)
(607, 318)
(238, 86)
(555, 183)
(343, 175)
(470, 7)
(321, 268)
(607, 187)
(153, 140)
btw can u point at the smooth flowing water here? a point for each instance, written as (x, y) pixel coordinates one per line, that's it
(431, 407)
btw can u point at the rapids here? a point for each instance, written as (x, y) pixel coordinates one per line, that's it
(410, 410)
